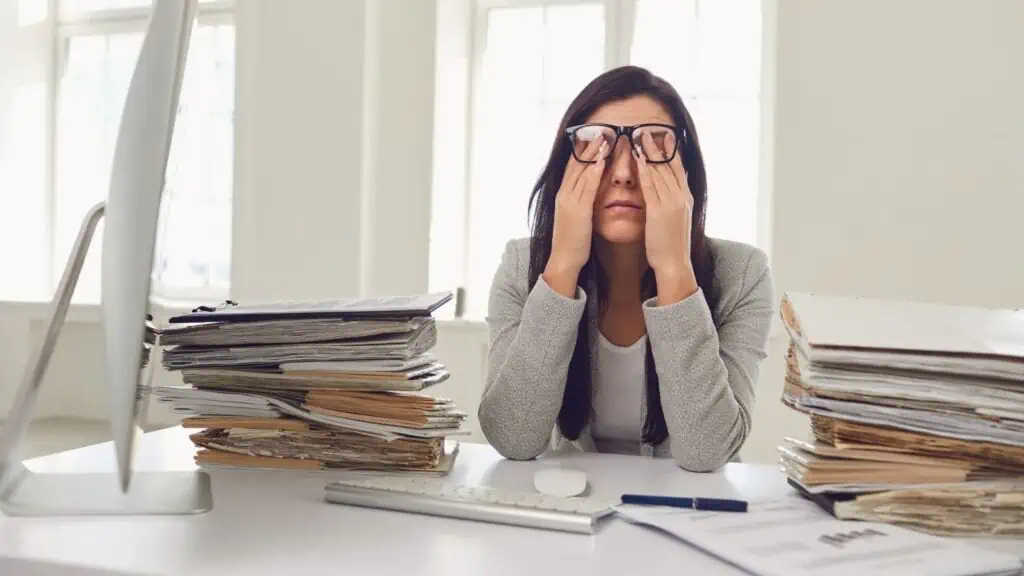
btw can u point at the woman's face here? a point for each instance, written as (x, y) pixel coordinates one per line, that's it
(619, 205)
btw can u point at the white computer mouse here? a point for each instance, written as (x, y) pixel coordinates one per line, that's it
(560, 482)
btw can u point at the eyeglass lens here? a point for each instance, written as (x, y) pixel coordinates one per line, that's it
(664, 141)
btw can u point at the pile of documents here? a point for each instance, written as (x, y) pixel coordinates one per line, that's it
(917, 412)
(318, 385)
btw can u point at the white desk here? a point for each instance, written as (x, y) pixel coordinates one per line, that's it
(277, 523)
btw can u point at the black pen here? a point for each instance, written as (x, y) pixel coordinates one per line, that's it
(709, 504)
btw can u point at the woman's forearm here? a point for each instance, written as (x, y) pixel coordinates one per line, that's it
(531, 344)
(707, 374)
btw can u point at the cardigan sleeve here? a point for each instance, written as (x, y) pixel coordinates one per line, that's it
(706, 373)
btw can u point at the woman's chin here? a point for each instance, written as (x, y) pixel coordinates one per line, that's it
(621, 233)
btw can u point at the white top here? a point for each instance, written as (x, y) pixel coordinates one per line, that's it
(278, 523)
(618, 421)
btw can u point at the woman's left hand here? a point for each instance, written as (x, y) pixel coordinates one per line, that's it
(669, 206)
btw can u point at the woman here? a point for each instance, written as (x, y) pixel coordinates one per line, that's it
(618, 326)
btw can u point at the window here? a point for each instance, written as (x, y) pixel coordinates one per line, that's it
(529, 58)
(97, 44)
(718, 74)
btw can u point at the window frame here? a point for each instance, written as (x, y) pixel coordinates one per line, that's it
(620, 21)
(69, 25)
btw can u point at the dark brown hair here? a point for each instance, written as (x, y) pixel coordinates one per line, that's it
(618, 84)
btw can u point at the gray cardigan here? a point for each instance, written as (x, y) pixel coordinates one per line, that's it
(706, 372)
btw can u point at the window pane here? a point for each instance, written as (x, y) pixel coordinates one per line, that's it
(729, 47)
(729, 139)
(23, 239)
(711, 52)
(194, 240)
(665, 41)
(706, 48)
(523, 91)
(194, 248)
(32, 11)
(92, 94)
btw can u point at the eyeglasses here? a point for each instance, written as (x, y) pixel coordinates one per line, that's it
(666, 139)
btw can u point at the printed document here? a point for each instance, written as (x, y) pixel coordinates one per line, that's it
(793, 537)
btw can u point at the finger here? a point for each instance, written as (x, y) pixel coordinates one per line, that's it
(661, 174)
(676, 164)
(575, 167)
(651, 196)
(657, 173)
(652, 150)
(591, 176)
(593, 183)
(594, 149)
(657, 170)
(665, 180)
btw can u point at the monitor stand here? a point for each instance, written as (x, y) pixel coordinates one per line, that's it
(27, 493)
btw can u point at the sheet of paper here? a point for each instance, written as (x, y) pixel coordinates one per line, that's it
(197, 402)
(943, 424)
(793, 537)
(960, 391)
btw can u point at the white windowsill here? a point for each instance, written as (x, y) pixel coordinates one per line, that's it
(79, 312)
(41, 309)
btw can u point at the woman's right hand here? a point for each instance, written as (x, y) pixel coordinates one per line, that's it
(574, 219)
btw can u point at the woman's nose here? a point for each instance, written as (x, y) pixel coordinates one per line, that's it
(623, 165)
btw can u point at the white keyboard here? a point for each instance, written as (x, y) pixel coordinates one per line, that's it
(435, 497)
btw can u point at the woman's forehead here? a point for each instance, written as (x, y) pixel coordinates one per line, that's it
(635, 110)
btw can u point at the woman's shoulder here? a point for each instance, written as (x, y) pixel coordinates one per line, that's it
(515, 262)
(741, 271)
(731, 256)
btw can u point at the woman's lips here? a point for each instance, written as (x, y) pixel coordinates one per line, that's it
(622, 207)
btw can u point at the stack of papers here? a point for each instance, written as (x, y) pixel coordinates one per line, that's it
(917, 412)
(394, 341)
(320, 385)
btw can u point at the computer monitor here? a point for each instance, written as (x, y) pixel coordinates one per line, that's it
(132, 210)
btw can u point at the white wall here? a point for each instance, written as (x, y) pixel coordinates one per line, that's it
(398, 145)
(896, 171)
(334, 148)
(899, 147)
(298, 168)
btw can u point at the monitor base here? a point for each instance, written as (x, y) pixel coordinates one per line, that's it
(99, 494)
(26, 493)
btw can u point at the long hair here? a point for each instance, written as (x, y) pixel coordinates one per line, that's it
(617, 84)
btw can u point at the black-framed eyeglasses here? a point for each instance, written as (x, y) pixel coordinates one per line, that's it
(666, 138)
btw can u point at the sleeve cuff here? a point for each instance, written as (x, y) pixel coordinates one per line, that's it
(545, 291)
(687, 318)
(545, 306)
